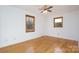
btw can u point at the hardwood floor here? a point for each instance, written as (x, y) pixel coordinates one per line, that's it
(44, 44)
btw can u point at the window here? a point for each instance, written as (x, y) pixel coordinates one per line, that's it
(58, 22)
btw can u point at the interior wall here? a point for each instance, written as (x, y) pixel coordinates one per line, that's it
(12, 26)
(70, 28)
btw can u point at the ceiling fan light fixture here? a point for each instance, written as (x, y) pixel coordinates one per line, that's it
(45, 11)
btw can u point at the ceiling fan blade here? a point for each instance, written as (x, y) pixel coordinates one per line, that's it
(49, 10)
(41, 11)
(50, 7)
(44, 7)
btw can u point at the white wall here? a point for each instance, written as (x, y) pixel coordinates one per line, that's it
(12, 26)
(70, 28)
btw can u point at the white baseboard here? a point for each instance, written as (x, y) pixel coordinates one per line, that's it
(62, 37)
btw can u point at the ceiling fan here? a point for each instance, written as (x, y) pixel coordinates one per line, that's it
(46, 9)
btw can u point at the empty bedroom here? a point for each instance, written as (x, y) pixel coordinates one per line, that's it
(39, 28)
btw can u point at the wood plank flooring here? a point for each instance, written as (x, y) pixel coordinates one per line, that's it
(44, 44)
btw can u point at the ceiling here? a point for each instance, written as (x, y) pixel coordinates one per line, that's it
(55, 9)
